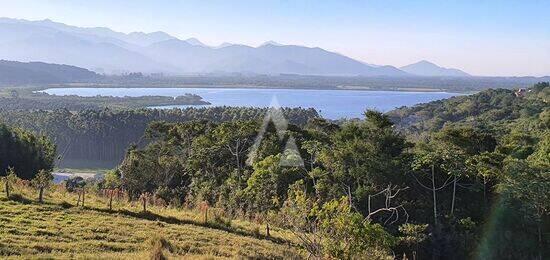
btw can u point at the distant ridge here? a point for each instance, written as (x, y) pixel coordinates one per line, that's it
(104, 50)
(426, 68)
(195, 42)
(105, 34)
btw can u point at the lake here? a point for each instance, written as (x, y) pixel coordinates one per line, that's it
(331, 104)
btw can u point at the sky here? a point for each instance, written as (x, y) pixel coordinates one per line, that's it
(488, 38)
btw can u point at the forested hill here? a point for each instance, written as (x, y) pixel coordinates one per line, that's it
(499, 109)
(14, 73)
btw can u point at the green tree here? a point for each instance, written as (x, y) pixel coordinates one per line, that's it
(541, 156)
(456, 146)
(487, 165)
(412, 237)
(25, 152)
(528, 184)
(427, 163)
(139, 171)
(348, 235)
(42, 181)
(112, 183)
(365, 157)
(237, 137)
(9, 180)
(261, 189)
(268, 185)
(333, 230)
(112, 179)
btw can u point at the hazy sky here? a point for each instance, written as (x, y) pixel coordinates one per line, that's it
(481, 37)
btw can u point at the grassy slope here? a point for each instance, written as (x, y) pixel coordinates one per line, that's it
(57, 229)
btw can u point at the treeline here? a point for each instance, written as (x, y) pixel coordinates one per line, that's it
(99, 138)
(26, 99)
(25, 152)
(362, 189)
(451, 84)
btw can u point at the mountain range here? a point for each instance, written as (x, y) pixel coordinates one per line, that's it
(106, 51)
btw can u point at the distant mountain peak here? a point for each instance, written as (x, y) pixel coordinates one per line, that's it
(159, 33)
(425, 62)
(196, 42)
(274, 43)
(430, 69)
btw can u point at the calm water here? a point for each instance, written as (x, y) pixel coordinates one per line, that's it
(331, 104)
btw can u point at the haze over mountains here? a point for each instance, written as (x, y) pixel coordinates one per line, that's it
(426, 68)
(106, 51)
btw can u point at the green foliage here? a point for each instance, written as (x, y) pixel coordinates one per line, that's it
(517, 145)
(112, 179)
(261, 190)
(529, 184)
(333, 230)
(42, 181)
(98, 138)
(29, 98)
(364, 157)
(541, 156)
(413, 234)
(471, 171)
(498, 109)
(9, 181)
(451, 180)
(347, 235)
(25, 152)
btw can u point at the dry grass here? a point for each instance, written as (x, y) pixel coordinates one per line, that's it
(58, 229)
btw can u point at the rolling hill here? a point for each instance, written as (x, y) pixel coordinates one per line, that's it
(495, 108)
(12, 72)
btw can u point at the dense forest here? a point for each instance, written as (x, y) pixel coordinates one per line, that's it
(462, 178)
(24, 151)
(363, 189)
(99, 138)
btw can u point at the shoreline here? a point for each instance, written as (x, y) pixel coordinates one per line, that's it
(251, 87)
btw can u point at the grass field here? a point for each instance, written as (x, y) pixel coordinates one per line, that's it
(59, 229)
